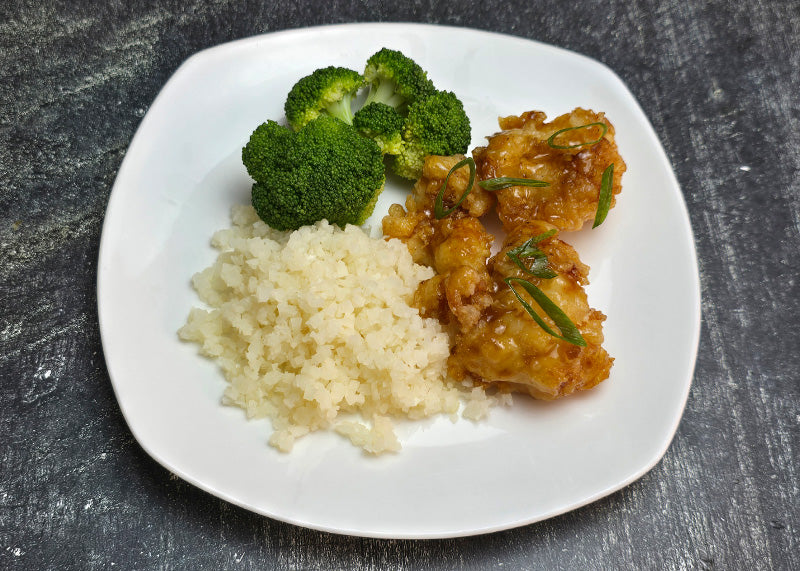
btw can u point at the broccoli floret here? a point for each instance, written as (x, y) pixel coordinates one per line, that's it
(329, 90)
(436, 125)
(395, 79)
(383, 124)
(326, 170)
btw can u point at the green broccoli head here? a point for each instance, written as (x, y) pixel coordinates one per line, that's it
(395, 79)
(326, 170)
(383, 124)
(436, 125)
(329, 90)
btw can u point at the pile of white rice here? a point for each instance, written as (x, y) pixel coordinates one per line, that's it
(313, 330)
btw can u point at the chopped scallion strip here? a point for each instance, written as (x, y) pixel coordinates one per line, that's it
(529, 250)
(604, 202)
(502, 182)
(438, 206)
(569, 332)
(602, 126)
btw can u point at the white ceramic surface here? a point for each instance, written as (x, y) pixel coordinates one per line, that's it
(525, 463)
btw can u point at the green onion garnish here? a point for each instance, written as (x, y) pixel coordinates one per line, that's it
(502, 182)
(568, 330)
(538, 267)
(603, 126)
(438, 206)
(604, 202)
(491, 185)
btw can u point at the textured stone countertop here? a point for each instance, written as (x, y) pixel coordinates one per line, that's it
(720, 82)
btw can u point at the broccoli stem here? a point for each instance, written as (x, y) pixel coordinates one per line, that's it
(342, 110)
(384, 92)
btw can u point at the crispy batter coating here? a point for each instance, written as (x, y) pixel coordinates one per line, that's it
(521, 150)
(461, 247)
(434, 171)
(456, 247)
(507, 346)
(415, 225)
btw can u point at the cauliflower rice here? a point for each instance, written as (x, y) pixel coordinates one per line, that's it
(313, 330)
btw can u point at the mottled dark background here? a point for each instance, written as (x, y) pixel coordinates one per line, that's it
(719, 80)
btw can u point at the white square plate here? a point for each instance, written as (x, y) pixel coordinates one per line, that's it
(528, 462)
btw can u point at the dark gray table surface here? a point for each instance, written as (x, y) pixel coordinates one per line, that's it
(720, 82)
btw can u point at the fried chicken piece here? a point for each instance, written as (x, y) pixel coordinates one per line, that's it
(509, 348)
(521, 150)
(456, 247)
(461, 247)
(494, 339)
(434, 171)
(413, 227)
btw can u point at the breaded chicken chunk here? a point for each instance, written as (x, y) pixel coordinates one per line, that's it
(523, 149)
(477, 203)
(414, 225)
(457, 247)
(509, 348)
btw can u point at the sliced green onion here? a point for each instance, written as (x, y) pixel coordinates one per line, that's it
(438, 206)
(602, 125)
(502, 182)
(604, 203)
(569, 332)
(538, 267)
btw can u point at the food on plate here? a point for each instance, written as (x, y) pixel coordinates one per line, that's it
(507, 347)
(433, 122)
(383, 124)
(318, 326)
(519, 320)
(456, 247)
(329, 164)
(395, 79)
(313, 329)
(325, 170)
(436, 125)
(572, 153)
(327, 91)
(415, 225)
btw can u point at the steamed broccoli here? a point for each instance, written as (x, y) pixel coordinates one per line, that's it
(331, 164)
(395, 79)
(329, 90)
(324, 170)
(436, 125)
(383, 124)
